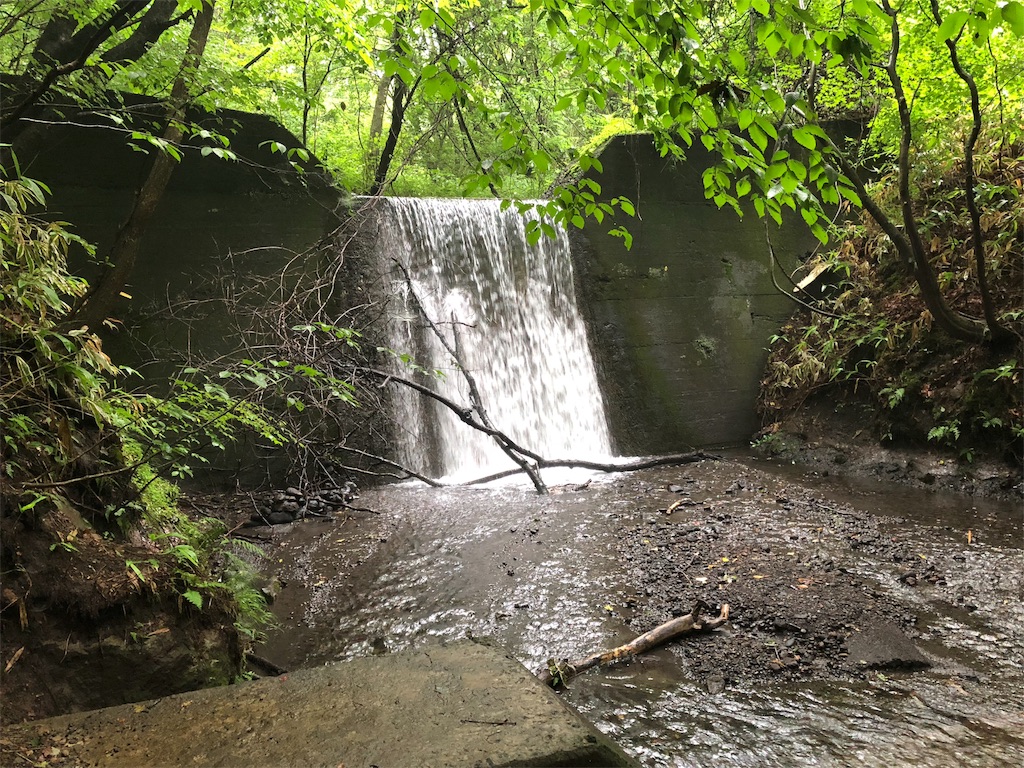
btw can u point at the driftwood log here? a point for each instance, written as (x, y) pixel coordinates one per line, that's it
(556, 674)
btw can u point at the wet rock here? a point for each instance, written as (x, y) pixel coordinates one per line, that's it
(280, 518)
(884, 646)
(739, 485)
(715, 684)
(271, 590)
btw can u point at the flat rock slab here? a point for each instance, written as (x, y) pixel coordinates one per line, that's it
(464, 704)
(884, 646)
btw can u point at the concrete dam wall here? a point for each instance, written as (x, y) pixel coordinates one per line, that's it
(219, 220)
(680, 323)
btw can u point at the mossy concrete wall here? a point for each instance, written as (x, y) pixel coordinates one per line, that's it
(681, 322)
(218, 218)
(228, 242)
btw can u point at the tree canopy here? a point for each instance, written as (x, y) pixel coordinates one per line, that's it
(470, 97)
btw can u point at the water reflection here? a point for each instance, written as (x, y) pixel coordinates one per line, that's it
(828, 725)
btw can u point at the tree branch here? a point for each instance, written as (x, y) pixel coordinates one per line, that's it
(557, 673)
(123, 254)
(670, 460)
(510, 449)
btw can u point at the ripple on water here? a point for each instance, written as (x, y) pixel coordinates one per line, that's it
(835, 725)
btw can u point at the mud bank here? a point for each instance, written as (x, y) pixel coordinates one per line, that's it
(837, 439)
(820, 589)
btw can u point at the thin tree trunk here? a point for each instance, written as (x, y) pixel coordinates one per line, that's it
(399, 102)
(123, 254)
(472, 145)
(307, 53)
(908, 242)
(377, 121)
(157, 20)
(997, 330)
(62, 53)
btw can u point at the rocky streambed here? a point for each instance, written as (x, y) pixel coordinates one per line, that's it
(868, 620)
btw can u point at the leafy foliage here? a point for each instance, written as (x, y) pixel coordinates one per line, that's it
(881, 346)
(74, 439)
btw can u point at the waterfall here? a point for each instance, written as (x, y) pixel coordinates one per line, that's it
(520, 334)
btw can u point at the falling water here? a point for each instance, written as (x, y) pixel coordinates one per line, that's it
(510, 310)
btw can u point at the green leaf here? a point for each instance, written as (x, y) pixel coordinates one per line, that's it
(193, 597)
(758, 137)
(952, 25)
(804, 137)
(1013, 15)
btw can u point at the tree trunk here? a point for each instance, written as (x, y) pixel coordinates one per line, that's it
(399, 102)
(60, 51)
(307, 54)
(158, 19)
(909, 242)
(377, 121)
(997, 330)
(103, 296)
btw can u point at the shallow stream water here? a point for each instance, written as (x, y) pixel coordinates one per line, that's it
(542, 576)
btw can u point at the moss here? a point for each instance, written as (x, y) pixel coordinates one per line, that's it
(706, 346)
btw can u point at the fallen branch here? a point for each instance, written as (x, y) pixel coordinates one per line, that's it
(519, 455)
(465, 414)
(408, 472)
(557, 673)
(630, 466)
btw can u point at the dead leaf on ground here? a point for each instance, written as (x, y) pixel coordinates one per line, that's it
(14, 659)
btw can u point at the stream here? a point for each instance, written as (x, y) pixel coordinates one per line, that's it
(809, 565)
(547, 576)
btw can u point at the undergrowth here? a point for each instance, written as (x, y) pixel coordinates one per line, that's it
(91, 465)
(878, 344)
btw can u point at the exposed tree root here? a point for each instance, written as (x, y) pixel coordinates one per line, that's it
(556, 674)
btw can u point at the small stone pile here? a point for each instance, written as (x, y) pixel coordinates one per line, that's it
(291, 504)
